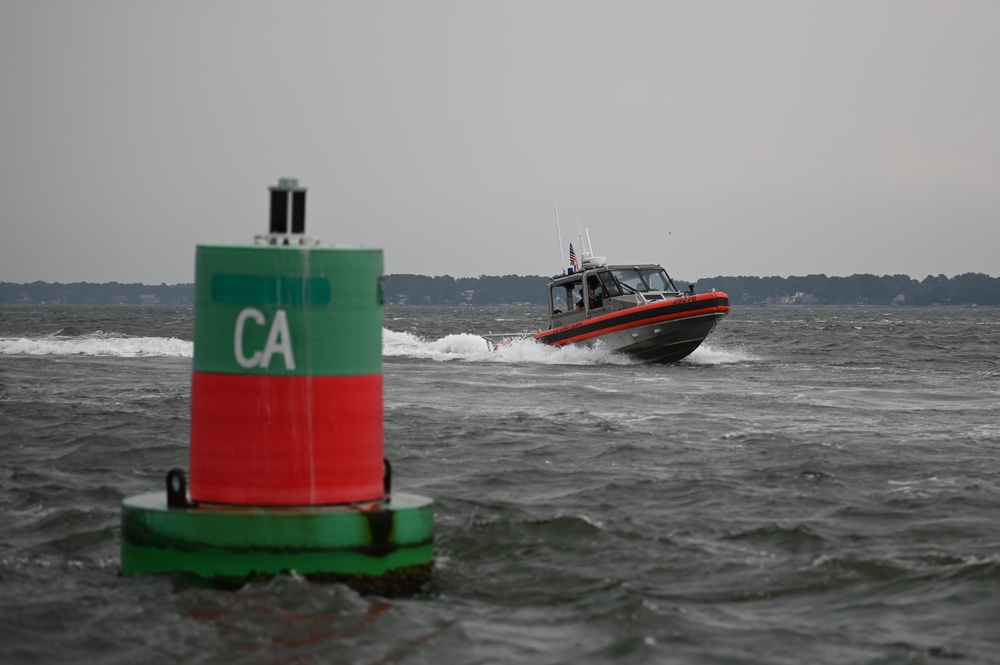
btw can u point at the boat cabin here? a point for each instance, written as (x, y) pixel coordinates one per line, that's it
(603, 289)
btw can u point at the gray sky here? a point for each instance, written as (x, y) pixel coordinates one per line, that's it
(716, 138)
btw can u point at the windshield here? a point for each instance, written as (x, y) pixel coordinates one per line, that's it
(644, 279)
(657, 280)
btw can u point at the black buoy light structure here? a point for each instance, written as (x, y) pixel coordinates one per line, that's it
(287, 464)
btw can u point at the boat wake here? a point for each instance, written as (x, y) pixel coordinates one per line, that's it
(97, 344)
(473, 348)
(457, 347)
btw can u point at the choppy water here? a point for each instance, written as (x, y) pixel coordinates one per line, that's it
(813, 486)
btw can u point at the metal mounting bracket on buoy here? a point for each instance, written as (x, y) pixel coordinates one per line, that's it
(177, 490)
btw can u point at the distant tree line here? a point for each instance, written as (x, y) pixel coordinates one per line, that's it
(406, 289)
(482, 290)
(86, 293)
(967, 289)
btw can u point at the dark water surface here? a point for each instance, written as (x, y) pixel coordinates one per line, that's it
(816, 485)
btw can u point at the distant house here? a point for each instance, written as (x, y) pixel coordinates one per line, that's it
(148, 299)
(798, 299)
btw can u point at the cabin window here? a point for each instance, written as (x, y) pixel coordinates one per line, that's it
(564, 296)
(657, 280)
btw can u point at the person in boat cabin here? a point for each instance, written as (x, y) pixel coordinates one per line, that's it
(596, 294)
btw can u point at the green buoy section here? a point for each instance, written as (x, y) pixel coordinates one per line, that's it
(385, 548)
(288, 472)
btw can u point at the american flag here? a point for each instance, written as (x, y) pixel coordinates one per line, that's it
(572, 259)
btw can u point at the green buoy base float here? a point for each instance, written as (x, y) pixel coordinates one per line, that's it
(288, 472)
(383, 548)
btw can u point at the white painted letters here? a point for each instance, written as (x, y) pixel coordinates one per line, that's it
(244, 361)
(279, 331)
(279, 340)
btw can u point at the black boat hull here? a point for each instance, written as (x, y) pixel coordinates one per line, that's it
(676, 342)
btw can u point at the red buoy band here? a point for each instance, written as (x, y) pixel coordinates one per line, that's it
(286, 440)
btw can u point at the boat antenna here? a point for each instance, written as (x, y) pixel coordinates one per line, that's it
(583, 246)
(562, 259)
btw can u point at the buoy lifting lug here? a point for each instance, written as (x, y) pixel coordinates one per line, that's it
(177, 489)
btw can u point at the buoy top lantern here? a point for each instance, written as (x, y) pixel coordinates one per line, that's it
(288, 215)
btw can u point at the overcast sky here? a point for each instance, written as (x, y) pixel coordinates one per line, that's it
(716, 138)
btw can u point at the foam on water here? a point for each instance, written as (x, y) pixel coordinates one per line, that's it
(461, 346)
(711, 354)
(97, 344)
(473, 348)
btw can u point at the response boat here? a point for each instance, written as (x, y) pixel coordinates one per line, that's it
(632, 309)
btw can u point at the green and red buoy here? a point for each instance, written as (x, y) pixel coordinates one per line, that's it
(288, 471)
